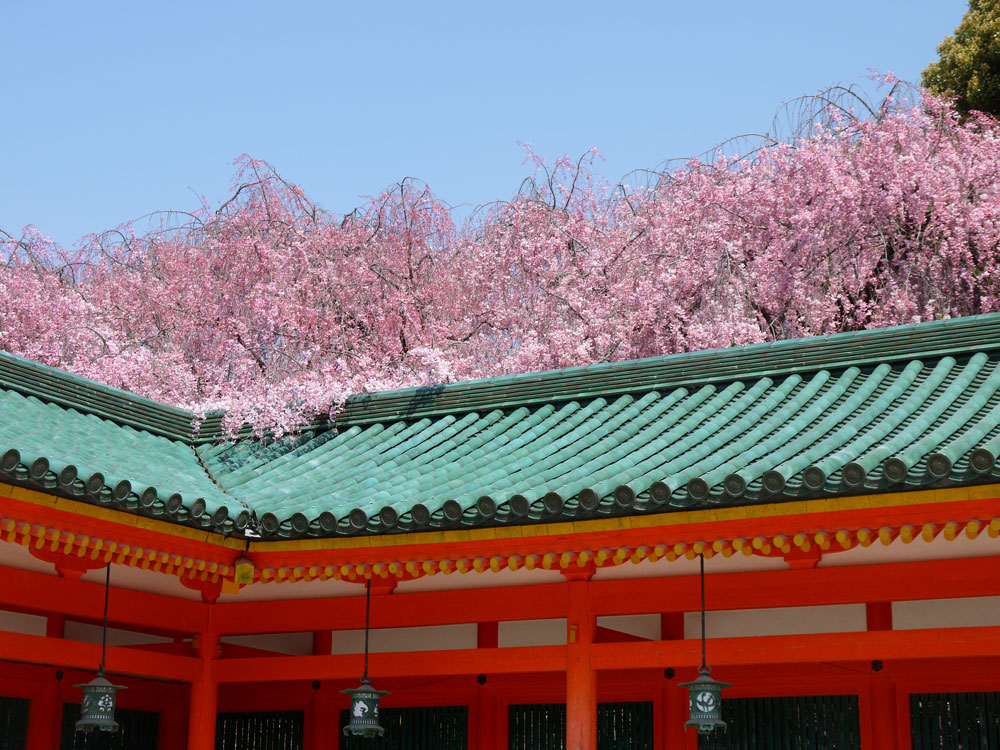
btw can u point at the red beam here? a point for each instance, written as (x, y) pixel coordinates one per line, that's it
(403, 664)
(27, 591)
(57, 652)
(943, 643)
(968, 577)
(950, 643)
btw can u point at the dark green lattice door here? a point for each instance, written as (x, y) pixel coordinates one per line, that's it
(14, 723)
(260, 730)
(818, 722)
(542, 726)
(423, 728)
(955, 721)
(136, 729)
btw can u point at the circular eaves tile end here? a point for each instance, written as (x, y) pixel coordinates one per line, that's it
(388, 517)
(774, 481)
(895, 469)
(697, 488)
(814, 478)
(982, 461)
(854, 474)
(588, 499)
(938, 465)
(734, 485)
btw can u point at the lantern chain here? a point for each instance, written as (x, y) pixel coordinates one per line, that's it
(704, 668)
(104, 634)
(368, 606)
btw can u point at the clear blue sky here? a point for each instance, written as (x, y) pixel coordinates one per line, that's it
(111, 110)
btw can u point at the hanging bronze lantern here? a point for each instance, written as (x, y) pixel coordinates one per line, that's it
(705, 693)
(97, 709)
(364, 698)
(364, 710)
(705, 703)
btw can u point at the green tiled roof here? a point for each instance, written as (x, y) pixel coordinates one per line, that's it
(879, 410)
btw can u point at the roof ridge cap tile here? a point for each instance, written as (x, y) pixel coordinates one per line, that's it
(68, 390)
(589, 380)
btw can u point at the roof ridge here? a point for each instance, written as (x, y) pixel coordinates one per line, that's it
(70, 391)
(786, 356)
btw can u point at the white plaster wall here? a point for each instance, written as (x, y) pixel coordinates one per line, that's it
(484, 580)
(533, 633)
(15, 622)
(738, 563)
(840, 618)
(293, 644)
(970, 612)
(644, 626)
(80, 631)
(17, 556)
(137, 579)
(937, 549)
(385, 640)
(315, 589)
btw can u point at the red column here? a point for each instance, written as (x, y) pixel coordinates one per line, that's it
(45, 718)
(171, 733)
(45, 714)
(885, 735)
(204, 696)
(581, 680)
(675, 713)
(671, 626)
(878, 615)
(324, 720)
(486, 729)
(487, 634)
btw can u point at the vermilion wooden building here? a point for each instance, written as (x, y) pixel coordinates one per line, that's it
(533, 546)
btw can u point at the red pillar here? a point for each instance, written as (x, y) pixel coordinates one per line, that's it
(675, 713)
(486, 729)
(171, 733)
(885, 735)
(671, 626)
(487, 634)
(45, 714)
(878, 615)
(45, 718)
(581, 680)
(204, 696)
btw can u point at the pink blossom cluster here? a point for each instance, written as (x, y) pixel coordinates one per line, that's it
(276, 311)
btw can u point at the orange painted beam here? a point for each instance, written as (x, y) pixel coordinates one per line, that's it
(24, 590)
(950, 643)
(58, 652)
(785, 588)
(944, 643)
(402, 664)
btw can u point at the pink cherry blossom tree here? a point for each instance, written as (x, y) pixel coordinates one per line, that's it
(275, 310)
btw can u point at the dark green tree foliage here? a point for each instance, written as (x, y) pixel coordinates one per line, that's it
(969, 68)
